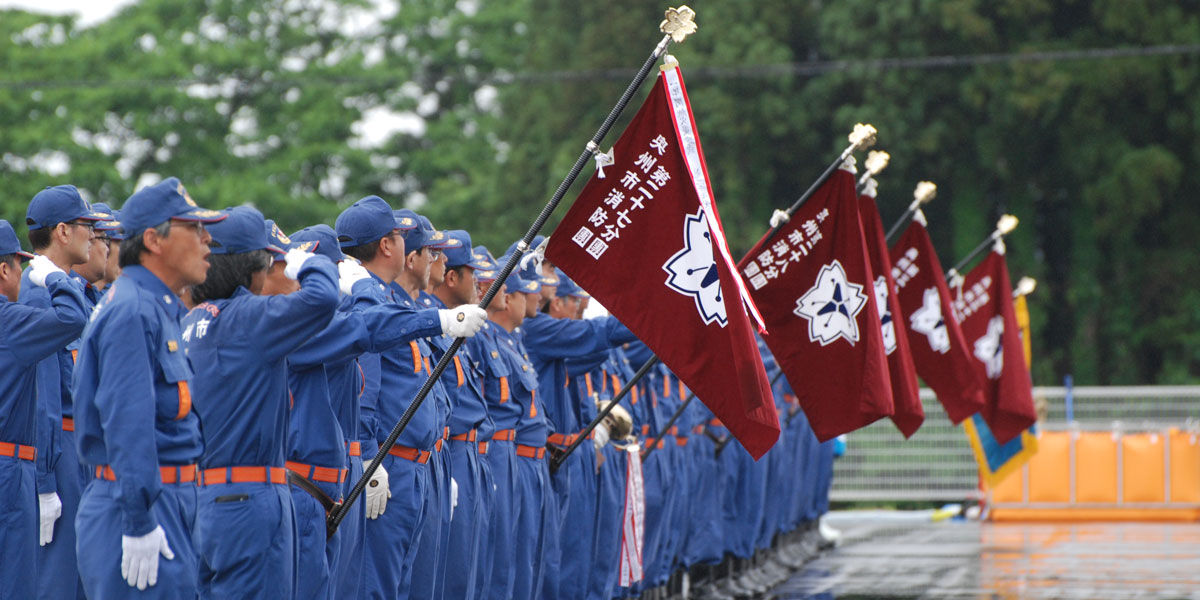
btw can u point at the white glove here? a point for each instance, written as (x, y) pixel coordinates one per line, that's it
(600, 436)
(40, 268)
(453, 496)
(463, 321)
(350, 272)
(139, 557)
(295, 261)
(49, 510)
(378, 493)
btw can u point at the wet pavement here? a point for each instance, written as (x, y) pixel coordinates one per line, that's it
(891, 555)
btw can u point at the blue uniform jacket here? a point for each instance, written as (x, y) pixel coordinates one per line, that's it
(523, 388)
(238, 346)
(132, 389)
(27, 336)
(494, 375)
(325, 379)
(551, 341)
(462, 379)
(51, 390)
(392, 378)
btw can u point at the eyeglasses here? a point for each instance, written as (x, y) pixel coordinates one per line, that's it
(434, 253)
(197, 225)
(89, 224)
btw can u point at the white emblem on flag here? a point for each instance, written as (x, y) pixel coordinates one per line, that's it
(989, 349)
(582, 237)
(693, 271)
(928, 322)
(832, 306)
(885, 315)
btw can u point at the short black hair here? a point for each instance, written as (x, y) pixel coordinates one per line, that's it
(364, 253)
(227, 272)
(460, 269)
(12, 260)
(39, 238)
(132, 246)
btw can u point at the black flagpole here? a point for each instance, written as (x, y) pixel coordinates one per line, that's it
(867, 139)
(920, 196)
(339, 512)
(559, 459)
(1004, 227)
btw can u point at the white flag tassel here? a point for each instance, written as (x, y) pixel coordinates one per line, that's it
(632, 521)
(603, 159)
(870, 187)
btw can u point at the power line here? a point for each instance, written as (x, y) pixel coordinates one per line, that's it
(803, 69)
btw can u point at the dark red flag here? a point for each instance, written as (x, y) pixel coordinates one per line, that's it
(984, 308)
(813, 282)
(939, 350)
(644, 238)
(905, 390)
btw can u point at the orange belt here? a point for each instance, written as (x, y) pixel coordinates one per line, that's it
(698, 430)
(446, 433)
(674, 430)
(417, 456)
(466, 437)
(437, 446)
(483, 447)
(355, 448)
(715, 423)
(18, 450)
(504, 435)
(172, 474)
(276, 475)
(68, 424)
(559, 439)
(531, 452)
(315, 473)
(681, 440)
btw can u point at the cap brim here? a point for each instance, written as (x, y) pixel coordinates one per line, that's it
(23, 254)
(202, 215)
(275, 249)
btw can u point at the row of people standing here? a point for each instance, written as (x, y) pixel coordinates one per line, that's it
(233, 381)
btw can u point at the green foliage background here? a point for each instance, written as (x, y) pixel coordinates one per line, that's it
(257, 102)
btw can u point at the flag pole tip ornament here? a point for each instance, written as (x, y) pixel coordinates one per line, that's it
(1025, 287)
(679, 23)
(863, 136)
(924, 193)
(877, 161)
(1006, 224)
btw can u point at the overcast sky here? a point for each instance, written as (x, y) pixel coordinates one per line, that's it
(90, 11)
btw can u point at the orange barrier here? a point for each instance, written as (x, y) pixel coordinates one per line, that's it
(1104, 476)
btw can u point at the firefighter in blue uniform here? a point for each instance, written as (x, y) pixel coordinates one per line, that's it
(457, 287)
(28, 335)
(553, 336)
(61, 228)
(238, 341)
(135, 430)
(369, 232)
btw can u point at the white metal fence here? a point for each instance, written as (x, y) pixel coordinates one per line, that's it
(937, 464)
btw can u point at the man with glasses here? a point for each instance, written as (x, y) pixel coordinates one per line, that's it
(136, 432)
(61, 229)
(109, 233)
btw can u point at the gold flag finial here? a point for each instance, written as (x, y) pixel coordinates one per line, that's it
(863, 136)
(1025, 287)
(1006, 224)
(680, 23)
(926, 191)
(877, 160)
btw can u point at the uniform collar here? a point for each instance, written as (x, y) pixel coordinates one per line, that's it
(155, 287)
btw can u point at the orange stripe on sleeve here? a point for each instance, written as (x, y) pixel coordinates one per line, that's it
(416, 352)
(185, 400)
(503, 390)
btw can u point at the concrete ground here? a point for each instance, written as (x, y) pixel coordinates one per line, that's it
(903, 555)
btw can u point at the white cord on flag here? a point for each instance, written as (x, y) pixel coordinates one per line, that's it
(779, 217)
(603, 159)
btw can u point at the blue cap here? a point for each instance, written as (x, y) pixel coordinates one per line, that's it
(435, 238)
(325, 239)
(111, 227)
(415, 236)
(156, 204)
(481, 252)
(566, 287)
(364, 222)
(243, 231)
(517, 282)
(461, 254)
(9, 244)
(59, 204)
(276, 237)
